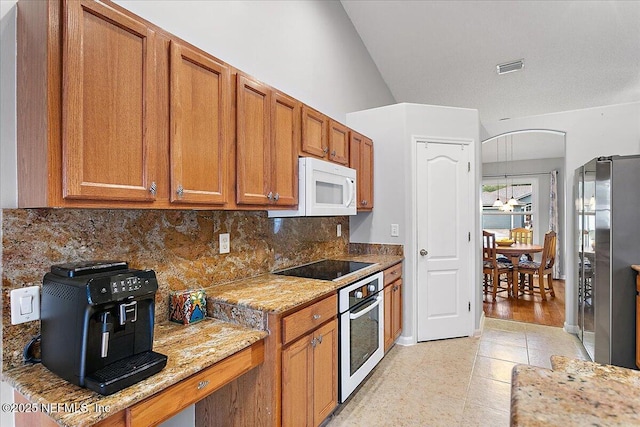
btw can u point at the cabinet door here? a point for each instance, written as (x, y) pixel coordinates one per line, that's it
(253, 142)
(314, 133)
(338, 143)
(297, 382)
(361, 159)
(200, 122)
(365, 175)
(388, 317)
(325, 371)
(396, 321)
(108, 124)
(285, 129)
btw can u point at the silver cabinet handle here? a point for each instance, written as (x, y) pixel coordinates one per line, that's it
(319, 339)
(270, 195)
(333, 153)
(316, 316)
(276, 197)
(314, 342)
(325, 150)
(203, 384)
(153, 188)
(363, 203)
(424, 252)
(180, 191)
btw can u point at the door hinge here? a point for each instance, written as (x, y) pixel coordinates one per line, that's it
(469, 236)
(469, 305)
(468, 166)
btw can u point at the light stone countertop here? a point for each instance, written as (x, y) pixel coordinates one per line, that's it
(189, 348)
(278, 294)
(575, 393)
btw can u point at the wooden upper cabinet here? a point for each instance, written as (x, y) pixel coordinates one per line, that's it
(268, 135)
(361, 159)
(108, 125)
(200, 127)
(285, 134)
(338, 143)
(315, 140)
(253, 132)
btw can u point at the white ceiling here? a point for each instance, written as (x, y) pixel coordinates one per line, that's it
(578, 54)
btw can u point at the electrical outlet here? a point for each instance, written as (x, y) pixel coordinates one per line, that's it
(225, 243)
(395, 230)
(25, 304)
(339, 230)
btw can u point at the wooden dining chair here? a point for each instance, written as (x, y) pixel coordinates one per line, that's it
(492, 269)
(521, 235)
(542, 268)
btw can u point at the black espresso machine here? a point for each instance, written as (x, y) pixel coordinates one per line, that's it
(97, 324)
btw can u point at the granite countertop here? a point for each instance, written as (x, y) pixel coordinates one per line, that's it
(278, 294)
(575, 393)
(189, 348)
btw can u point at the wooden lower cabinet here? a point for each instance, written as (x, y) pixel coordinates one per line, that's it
(392, 305)
(310, 377)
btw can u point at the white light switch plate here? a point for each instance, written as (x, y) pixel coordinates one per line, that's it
(339, 230)
(25, 304)
(395, 230)
(225, 243)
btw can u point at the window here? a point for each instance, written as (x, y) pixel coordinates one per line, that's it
(495, 220)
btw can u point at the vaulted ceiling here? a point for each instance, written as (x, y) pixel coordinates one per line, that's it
(577, 54)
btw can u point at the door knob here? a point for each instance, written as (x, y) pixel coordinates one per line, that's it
(423, 252)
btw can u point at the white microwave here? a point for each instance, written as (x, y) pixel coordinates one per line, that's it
(324, 189)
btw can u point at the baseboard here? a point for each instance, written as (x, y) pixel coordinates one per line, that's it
(572, 329)
(406, 341)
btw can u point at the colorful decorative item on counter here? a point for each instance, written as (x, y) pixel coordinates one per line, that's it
(187, 306)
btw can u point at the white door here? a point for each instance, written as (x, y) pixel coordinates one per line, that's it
(444, 223)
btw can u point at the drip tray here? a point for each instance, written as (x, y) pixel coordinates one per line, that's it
(123, 373)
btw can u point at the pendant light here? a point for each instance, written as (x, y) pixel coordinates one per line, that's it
(512, 201)
(498, 203)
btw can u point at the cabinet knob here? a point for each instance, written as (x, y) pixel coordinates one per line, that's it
(316, 316)
(363, 203)
(180, 191)
(203, 384)
(319, 339)
(276, 197)
(153, 188)
(270, 195)
(333, 153)
(314, 342)
(325, 150)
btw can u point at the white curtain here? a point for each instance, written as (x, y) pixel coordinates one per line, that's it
(553, 217)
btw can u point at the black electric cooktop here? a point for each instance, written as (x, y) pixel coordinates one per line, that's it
(325, 270)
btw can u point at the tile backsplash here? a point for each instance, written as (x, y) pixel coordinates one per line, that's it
(181, 246)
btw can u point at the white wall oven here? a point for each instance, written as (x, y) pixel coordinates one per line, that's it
(361, 307)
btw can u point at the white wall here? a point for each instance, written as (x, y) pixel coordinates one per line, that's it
(309, 50)
(391, 128)
(592, 132)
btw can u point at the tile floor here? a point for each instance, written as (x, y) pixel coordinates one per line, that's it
(456, 382)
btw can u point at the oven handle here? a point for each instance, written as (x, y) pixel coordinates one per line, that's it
(363, 312)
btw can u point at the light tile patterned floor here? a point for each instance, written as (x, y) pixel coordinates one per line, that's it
(456, 382)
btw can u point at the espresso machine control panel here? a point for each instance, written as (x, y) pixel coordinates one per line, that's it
(117, 287)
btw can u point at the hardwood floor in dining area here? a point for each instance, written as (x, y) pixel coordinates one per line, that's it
(529, 308)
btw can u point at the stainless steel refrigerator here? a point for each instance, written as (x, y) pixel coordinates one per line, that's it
(607, 199)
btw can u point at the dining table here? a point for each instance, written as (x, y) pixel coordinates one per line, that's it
(514, 252)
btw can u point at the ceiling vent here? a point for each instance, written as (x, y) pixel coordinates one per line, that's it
(509, 67)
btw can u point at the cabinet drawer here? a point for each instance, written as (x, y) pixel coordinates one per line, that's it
(163, 405)
(308, 318)
(392, 273)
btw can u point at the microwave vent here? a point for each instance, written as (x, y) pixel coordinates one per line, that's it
(510, 67)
